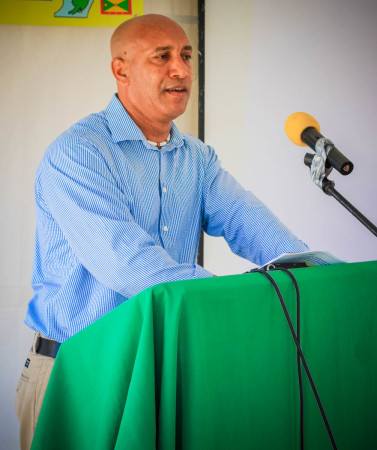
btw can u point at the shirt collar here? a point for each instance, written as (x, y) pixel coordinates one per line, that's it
(123, 128)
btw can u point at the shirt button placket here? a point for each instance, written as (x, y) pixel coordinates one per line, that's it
(165, 228)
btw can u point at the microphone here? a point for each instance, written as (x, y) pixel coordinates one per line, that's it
(302, 129)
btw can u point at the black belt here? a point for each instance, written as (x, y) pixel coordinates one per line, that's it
(46, 347)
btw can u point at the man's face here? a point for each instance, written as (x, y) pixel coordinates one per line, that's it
(159, 74)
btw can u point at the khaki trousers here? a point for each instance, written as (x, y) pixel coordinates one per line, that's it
(30, 393)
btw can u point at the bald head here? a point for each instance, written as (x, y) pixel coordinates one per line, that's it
(151, 62)
(137, 28)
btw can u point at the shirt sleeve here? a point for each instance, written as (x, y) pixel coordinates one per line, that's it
(83, 198)
(251, 230)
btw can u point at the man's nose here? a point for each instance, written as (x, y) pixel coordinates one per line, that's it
(179, 68)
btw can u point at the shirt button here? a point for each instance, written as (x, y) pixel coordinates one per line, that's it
(165, 228)
(164, 189)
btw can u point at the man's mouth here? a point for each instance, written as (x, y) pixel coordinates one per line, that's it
(177, 91)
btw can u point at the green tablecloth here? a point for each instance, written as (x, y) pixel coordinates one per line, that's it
(210, 364)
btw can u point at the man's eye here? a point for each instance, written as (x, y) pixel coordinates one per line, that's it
(187, 57)
(162, 56)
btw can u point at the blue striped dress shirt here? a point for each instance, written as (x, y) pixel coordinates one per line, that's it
(116, 215)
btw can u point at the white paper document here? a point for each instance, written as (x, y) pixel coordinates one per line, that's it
(311, 259)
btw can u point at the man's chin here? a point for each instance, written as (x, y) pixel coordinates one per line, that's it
(173, 113)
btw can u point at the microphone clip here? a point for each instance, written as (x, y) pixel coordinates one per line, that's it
(320, 167)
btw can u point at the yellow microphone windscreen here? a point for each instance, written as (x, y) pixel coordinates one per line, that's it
(297, 123)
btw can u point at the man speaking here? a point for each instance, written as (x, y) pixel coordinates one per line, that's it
(121, 198)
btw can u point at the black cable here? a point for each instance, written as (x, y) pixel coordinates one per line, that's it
(298, 333)
(302, 357)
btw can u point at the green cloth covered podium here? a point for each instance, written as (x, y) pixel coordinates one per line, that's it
(211, 364)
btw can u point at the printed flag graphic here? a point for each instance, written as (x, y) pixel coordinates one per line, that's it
(116, 7)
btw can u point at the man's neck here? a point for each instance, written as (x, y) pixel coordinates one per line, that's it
(155, 132)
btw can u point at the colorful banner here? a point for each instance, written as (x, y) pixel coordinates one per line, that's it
(76, 13)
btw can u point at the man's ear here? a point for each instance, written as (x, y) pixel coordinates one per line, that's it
(119, 69)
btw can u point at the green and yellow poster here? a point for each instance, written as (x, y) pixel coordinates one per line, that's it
(80, 13)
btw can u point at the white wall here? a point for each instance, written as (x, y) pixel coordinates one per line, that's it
(50, 78)
(267, 59)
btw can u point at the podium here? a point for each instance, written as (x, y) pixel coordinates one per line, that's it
(211, 364)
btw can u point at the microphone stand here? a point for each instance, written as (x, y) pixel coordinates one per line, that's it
(329, 189)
